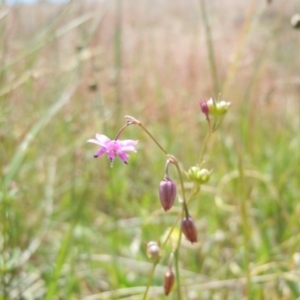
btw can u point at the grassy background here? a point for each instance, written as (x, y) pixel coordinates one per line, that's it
(71, 227)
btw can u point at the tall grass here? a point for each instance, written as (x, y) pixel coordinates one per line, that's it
(71, 227)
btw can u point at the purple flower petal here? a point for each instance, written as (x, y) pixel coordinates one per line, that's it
(111, 155)
(100, 152)
(114, 148)
(129, 149)
(103, 139)
(124, 157)
(128, 143)
(94, 141)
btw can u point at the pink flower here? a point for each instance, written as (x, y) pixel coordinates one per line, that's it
(114, 147)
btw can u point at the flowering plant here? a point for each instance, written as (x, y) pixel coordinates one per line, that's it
(214, 112)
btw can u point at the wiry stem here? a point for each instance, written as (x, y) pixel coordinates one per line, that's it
(210, 48)
(204, 145)
(150, 280)
(121, 130)
(153, 138)
(132, 120)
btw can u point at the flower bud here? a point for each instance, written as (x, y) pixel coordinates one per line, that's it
(169, 281)
(222, 107)
(203, 176)
(192, 173)
(189, 229)
(214, 108)
(153, 250)
(204, 107)
(167, 193)
(198, 175)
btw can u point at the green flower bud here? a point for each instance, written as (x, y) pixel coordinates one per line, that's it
(222, 108)
(203, 176)
(198, 175)
(212, 107)
(192, 173)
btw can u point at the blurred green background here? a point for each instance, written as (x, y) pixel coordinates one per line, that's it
(71, 227)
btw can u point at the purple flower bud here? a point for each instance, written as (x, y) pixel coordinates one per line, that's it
(189, 229)
(167, 193)
(204, 107)
(169, 281)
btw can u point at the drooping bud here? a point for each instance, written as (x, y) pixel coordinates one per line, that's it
(198, 175)
(169, 281)
(153, 250)
(189, 229)
(169, 278)
(167, 193)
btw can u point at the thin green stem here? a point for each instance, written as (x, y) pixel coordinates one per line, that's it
(177, 267)
(180, 177)
(167, 177)
(184, 209)
(150, 279)
(211, 56)
(118, 57)
(171, 230)
(153, 138)
(245, 226)
(62, 255)
(204, 145)
(121, 130)
(132, 120)
(239, 49)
